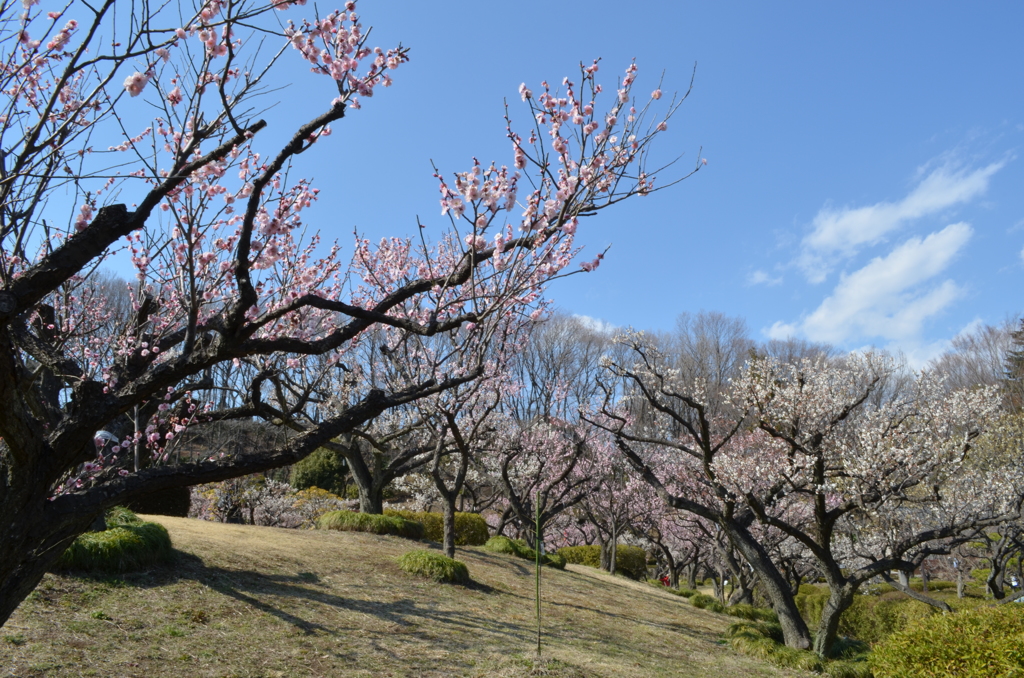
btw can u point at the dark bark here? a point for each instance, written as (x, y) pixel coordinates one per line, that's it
(840, 597)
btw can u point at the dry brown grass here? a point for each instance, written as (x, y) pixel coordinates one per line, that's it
(258, 601)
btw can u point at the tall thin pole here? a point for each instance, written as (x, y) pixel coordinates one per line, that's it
(539, 544)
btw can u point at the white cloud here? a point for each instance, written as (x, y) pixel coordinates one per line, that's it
(782, 331)
(889, 297)
(759, 277)
(1022, 254)
(838, 233)
(596, 324)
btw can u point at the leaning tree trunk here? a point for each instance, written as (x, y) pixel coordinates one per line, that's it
(794, 629)
(35, 539)
(839, 599)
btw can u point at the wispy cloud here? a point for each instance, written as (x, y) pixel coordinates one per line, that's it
(891, 297)
(596, 324)
(839, 233)
(759, 277)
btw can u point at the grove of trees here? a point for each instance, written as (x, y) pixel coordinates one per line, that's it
(433, 366)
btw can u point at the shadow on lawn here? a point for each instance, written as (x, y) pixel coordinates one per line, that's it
(257, 590)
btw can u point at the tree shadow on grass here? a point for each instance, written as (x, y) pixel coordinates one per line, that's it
(258, 590)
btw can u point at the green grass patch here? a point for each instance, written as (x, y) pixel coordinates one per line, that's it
(129, 544)
(434, 566)
(350, 521)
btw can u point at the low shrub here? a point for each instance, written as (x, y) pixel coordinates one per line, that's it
(764, 640)
(631, 560)
(751, 613)
(870, 618)
(435, 566)
(706, 602)
(128, 544)
(986, 641)
(685, 593)
(350, 521)
(519, 549)
(470, 528)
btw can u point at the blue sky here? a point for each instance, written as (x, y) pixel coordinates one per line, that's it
(864, 176)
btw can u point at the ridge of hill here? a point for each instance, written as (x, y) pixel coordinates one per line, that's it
(251, 601)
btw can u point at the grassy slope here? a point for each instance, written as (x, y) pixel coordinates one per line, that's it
(255, 601)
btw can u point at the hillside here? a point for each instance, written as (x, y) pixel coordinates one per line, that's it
(258, 601)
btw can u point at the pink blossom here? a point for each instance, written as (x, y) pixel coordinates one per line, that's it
(662, 126)
(524, 92)
(135, 83)
(656, 94)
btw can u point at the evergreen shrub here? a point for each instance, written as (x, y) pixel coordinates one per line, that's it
(470, 528)
(323, 468)
(128, 544)
(631, 560)
(350, 521)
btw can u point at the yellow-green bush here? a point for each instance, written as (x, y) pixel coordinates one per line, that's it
(128, 544)
(764, 640)
(434, 565)
(869, 618)
(987, 641)
(470, 528)
(744, 611)
(630, 560)
(519, 549)
(350, 521)
(706, 602)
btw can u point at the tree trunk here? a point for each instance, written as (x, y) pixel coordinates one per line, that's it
(904, 577)
(691, 576)
(741, 596)
(371, 499)
(794, 630)
(959, 582)
(994, 583)
(840, 598)
(35, 539)
(448, 507)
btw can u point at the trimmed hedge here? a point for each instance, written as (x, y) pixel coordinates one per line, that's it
(987, 641)
(350, 521)
(631, 560)
(470, 528)
(519, 549)
(434, 566)
(128, 544)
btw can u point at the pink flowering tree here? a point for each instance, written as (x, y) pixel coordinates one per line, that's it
(669, 412)
(157, 109)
